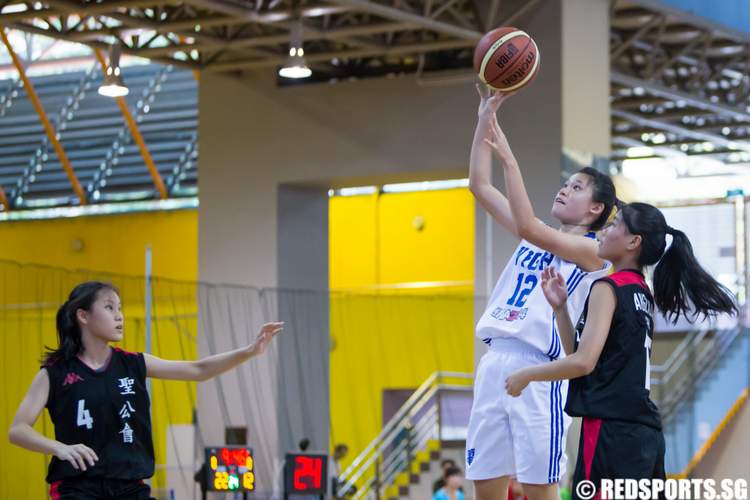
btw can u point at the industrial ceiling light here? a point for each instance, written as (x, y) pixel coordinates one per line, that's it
(113, 86)
(295, 66)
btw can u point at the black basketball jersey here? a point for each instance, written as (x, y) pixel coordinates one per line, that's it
(106, 410)
(619, 386)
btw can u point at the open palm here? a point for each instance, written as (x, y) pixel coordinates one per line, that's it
(266, 335)
(553, 287)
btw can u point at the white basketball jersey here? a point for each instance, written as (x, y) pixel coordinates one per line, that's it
(517, 307)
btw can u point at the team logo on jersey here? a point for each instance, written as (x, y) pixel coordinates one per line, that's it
(72, 378)
(470, 456)
(509, 314)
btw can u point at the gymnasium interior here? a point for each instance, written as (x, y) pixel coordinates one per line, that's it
(218, 194)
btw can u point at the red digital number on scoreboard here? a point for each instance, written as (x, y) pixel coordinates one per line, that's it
(308, 472)
(236, 457)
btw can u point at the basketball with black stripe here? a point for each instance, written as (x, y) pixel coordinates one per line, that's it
(506, 59)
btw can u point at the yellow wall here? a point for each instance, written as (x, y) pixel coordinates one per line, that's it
(114, 243)
(30, 295)
(395, 337)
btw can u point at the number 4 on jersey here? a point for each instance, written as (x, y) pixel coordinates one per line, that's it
(84, 417)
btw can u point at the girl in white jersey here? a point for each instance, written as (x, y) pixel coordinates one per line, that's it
(525, 437)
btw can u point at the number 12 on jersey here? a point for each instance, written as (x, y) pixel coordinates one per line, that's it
(524, 286)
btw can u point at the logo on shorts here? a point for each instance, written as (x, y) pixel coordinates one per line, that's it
(470, 456)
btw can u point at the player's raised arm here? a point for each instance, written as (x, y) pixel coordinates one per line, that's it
(553, 287)
(480, 162)
(211, 366)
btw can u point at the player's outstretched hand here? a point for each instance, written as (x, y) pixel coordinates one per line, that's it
(266, 335)
(497, 140)
(516, 383)
(489, 101)
(77, 454)
(554, 289)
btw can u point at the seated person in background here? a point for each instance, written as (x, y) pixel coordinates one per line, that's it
(452, 489)
(444, 466)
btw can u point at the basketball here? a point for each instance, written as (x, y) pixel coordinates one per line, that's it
(506, 59)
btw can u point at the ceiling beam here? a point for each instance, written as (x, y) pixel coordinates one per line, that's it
(260, 41)
(90, 9)
(686, 132)
(403, 16)
(678, 95)
(212, 21)
(100, 45)
(344, 54)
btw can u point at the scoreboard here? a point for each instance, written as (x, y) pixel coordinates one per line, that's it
(306, 473)
(230, 468)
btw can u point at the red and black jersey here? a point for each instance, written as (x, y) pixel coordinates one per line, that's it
(107, 410)
(619, 386)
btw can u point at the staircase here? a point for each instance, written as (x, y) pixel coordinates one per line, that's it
(404, 459)
(700, 383)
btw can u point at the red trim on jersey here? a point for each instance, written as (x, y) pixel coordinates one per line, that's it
(628, 277)
(54, 493)
(104, 367)
(591, 428)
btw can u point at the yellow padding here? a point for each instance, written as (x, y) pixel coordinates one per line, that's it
(422, 457)
(402, 479)
(433, 445)
(391, 491)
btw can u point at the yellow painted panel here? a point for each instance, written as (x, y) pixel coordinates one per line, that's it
(394, 339)
(427, 236)
(114, 243)
(351, 241)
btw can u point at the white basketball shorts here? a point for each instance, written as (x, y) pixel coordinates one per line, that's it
(524, 436)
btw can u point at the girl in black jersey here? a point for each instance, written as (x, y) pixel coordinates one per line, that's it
(97, 400)
(609, 350)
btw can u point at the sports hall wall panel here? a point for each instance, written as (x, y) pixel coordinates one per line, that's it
(385, 335)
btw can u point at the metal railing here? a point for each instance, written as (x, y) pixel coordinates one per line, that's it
(676, 380)
(391, 452)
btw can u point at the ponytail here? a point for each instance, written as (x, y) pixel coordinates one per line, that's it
(680, 283)
(69, 339)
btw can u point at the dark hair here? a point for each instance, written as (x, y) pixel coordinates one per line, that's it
(447, 462)
(83, 296)
(679, 280)
(603, 192)
(452, 471)
(304, 444)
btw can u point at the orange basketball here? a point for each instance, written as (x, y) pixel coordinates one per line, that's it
(506, 59)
